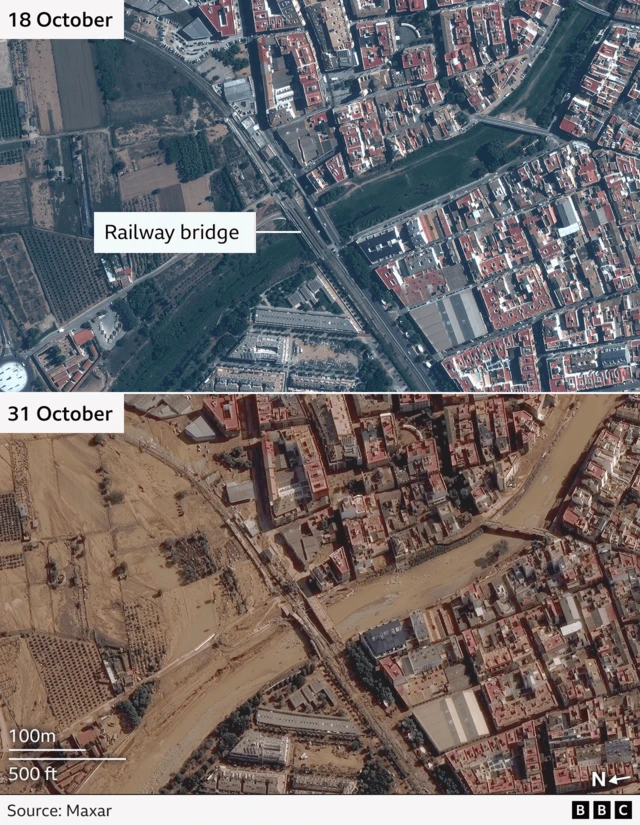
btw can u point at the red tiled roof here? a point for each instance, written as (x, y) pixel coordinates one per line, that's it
(83, 336)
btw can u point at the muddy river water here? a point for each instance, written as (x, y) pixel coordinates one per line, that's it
(395, 595)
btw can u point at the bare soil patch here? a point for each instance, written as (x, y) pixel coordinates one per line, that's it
(12, 171)
(194, 194)
(145, 181)
(80, 99)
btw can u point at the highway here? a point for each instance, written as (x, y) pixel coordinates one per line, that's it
(373, 314)
(592, 8)
(315, 226)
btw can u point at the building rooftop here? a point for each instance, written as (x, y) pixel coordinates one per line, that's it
(385, 639)
(452, 720)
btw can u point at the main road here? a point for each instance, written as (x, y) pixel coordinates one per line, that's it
(311, 228)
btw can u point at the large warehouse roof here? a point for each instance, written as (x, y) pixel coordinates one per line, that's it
(451, 321)
(452, 720)
(290, 720)
(298, 319)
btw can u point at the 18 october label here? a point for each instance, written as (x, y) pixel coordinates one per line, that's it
(62, 20)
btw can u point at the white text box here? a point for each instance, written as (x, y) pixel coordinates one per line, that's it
(61, 20)
(83, 412)
(174, 232)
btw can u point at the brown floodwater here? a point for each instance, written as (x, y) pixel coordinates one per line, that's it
(535, 504)
(395, 595)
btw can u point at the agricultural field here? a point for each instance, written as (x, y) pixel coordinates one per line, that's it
(157, 111)
(14, 205)
(132, 72)
(103, 184)
(65, 603)
(10, 154)
(80, 98)
(6, 73)
(9, 120)
(136, 184)
(41, 193)
(191, 158)
(71, 602)
(11, 162)
(21, 292)
(11, 171)
(171, 199)
(145, 203)
(141, 131)
(65, 194)
(54, 191)
(194, 194)
(44, 87)
(139, 89)
(191, 154)
(71, 275)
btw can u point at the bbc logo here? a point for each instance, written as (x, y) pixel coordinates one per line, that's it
(601, 810)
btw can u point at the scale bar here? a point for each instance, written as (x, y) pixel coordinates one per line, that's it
(45, 750)
(278, 232)
(70, 759)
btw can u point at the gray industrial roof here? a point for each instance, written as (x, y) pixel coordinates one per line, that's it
(199, 430)
(306, 721)
(566, 211)
(142, 5)
(179, 5)
(160, 406)
(452, 720)
(235, 91)
(325, 321)
(238, 492)
(196, 30)
(450, 321)
(160, 7)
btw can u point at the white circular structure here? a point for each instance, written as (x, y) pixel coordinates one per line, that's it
(13, 376)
